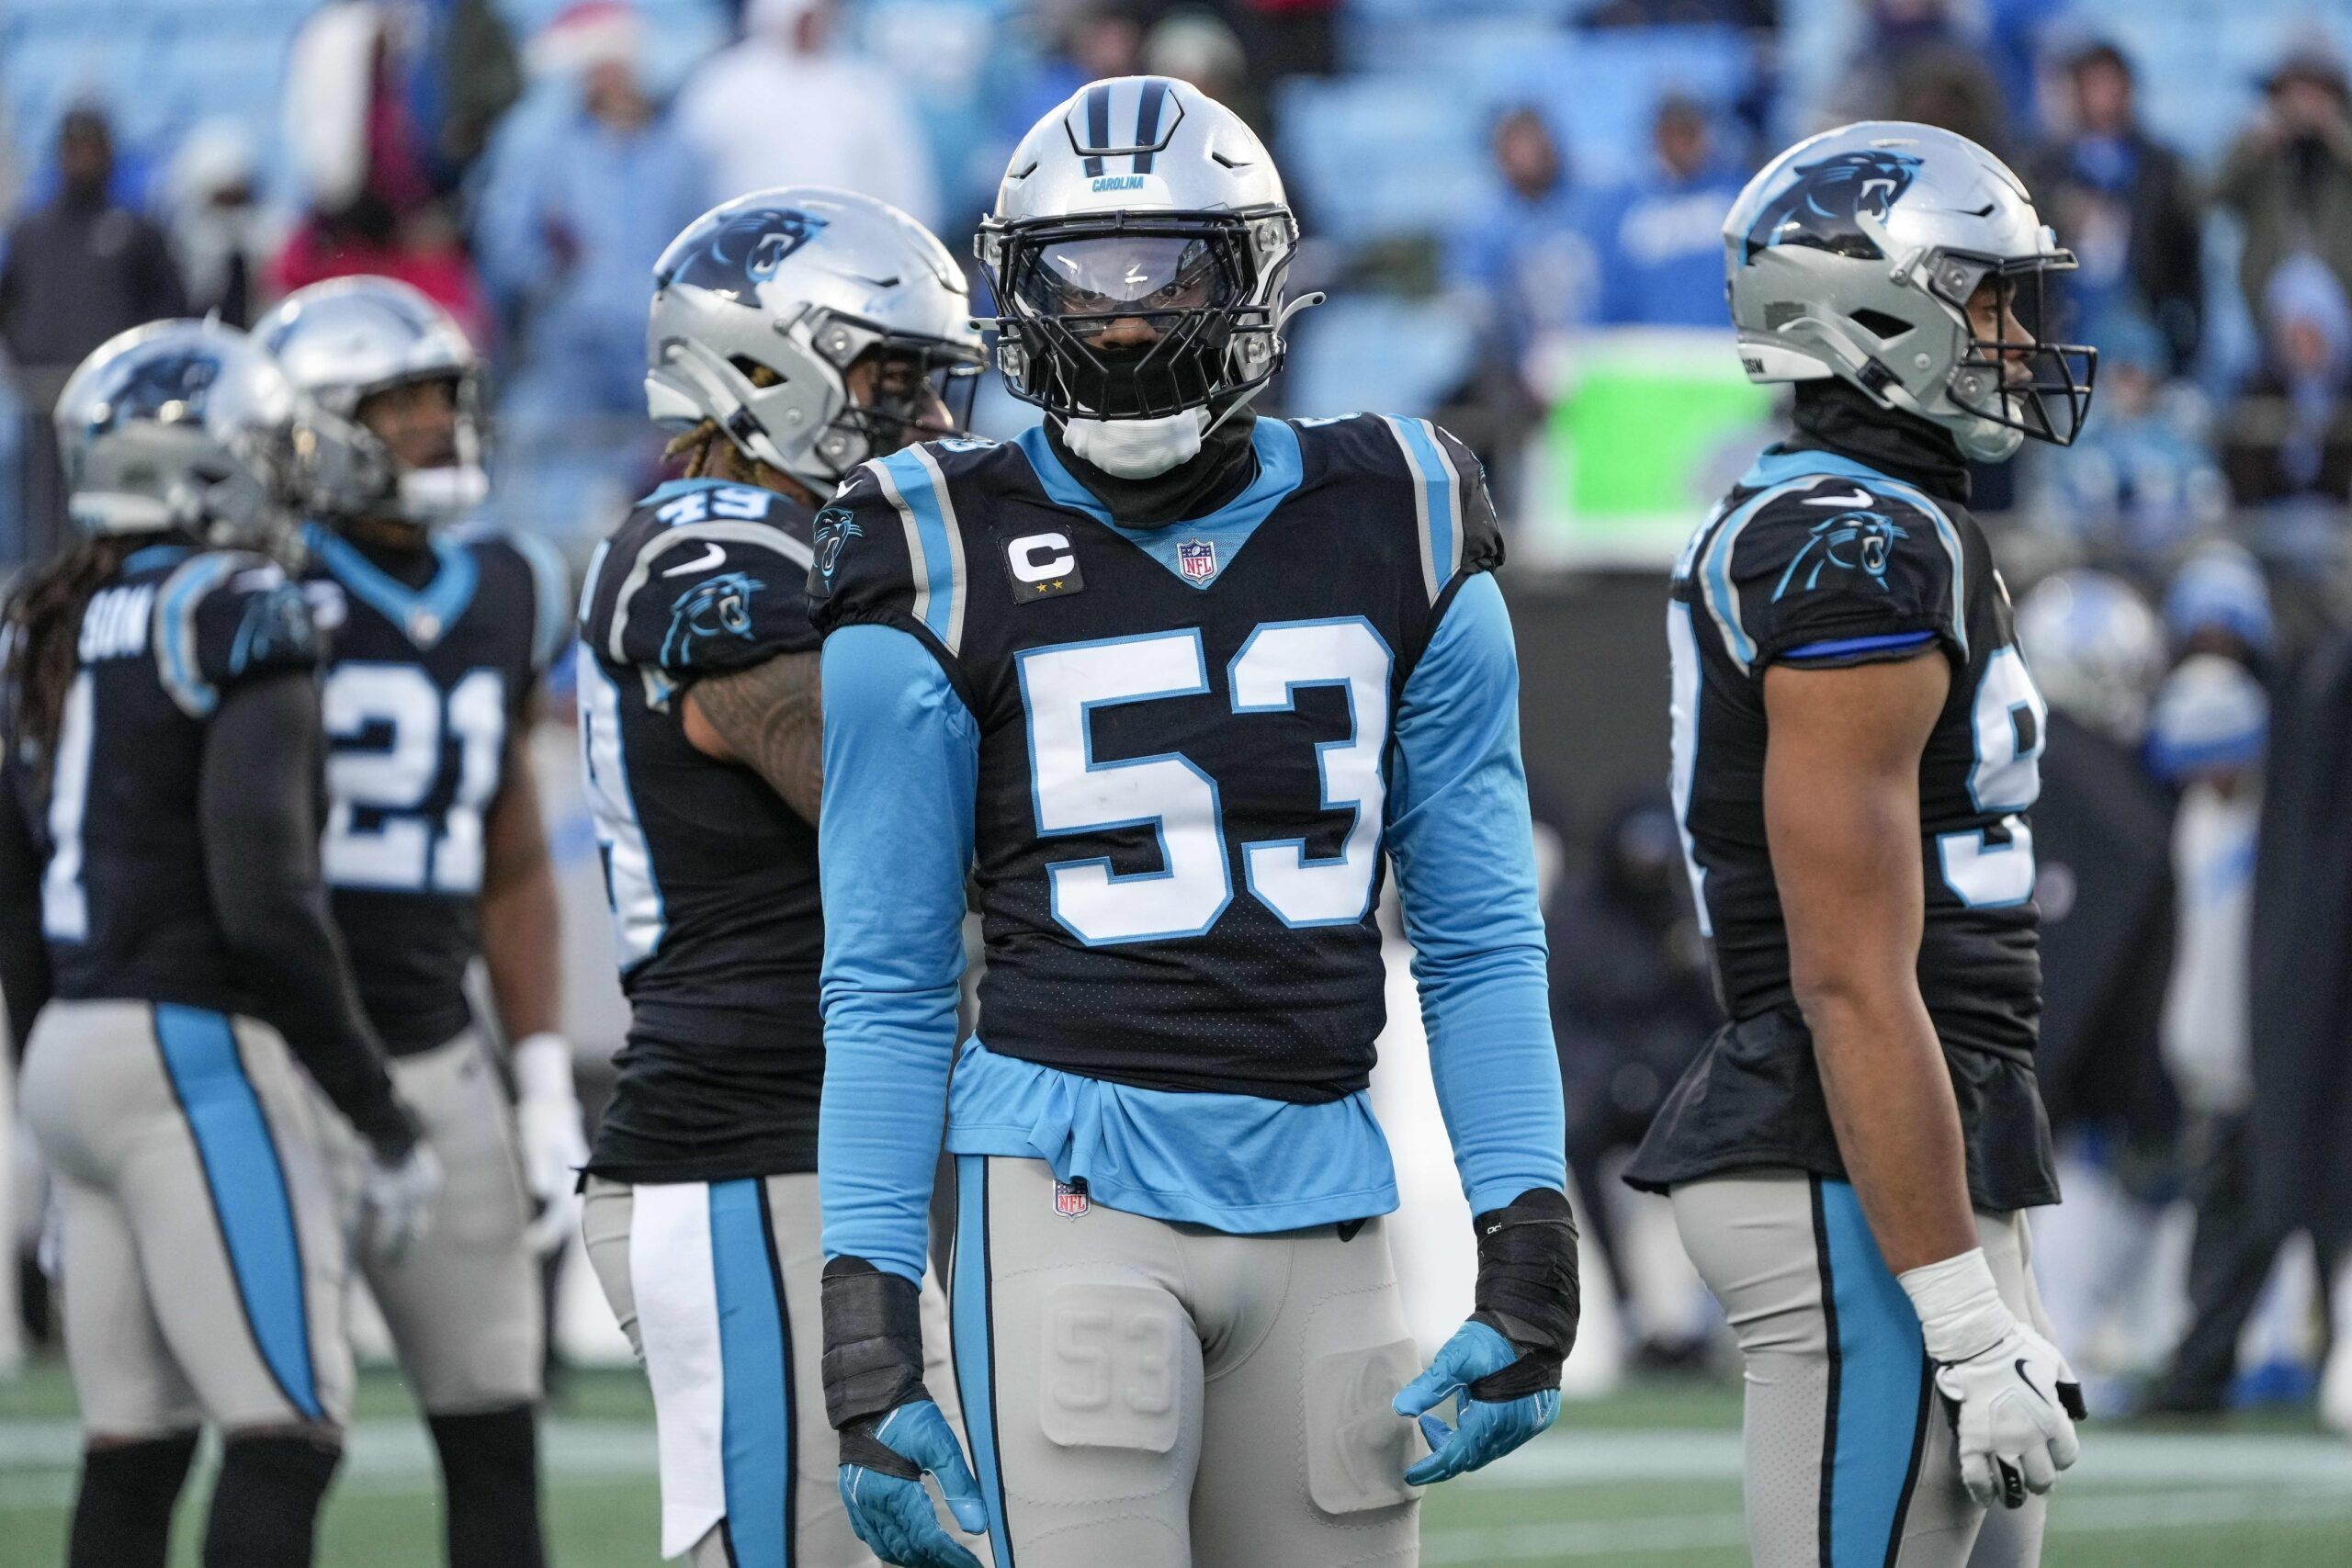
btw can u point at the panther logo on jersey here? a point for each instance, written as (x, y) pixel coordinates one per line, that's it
(718, 608)
(1819, 208)
(1851, 541)
(835, 529)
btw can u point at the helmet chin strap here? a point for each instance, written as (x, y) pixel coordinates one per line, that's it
(1145, 448)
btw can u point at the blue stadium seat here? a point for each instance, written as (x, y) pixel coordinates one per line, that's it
(1375, 156)
(1600, 90)
(1375, 353)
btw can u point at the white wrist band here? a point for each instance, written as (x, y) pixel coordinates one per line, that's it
(1960, 1311)
(543, 1066)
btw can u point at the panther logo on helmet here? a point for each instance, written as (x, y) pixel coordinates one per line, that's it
(718, 608)
(1851, 541)
(166, 387)
(1819, 207)
(744, 249)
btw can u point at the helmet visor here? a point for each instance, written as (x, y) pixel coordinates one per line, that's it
(2012, 374)
(1120, 317)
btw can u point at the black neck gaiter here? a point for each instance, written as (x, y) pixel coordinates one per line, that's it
(1220, 470)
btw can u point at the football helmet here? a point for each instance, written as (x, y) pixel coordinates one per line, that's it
(2094, 650)
(343, 341)
(801, 283)
(181, 426)
(1139, 255)
(1855, 254)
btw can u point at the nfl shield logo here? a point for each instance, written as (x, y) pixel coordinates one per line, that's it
(1069, 1199)
(1198, 559)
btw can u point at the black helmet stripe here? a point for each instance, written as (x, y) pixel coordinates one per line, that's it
(1098, 124)
(1148, 122)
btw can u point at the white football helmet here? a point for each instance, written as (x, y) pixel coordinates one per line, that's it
(1140, 199)
(181, 426)
(347, 339)
(1854, 253)
(802, 282)
(2096, 649)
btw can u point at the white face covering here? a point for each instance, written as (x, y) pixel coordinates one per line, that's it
(1138, 448)
(442, 495)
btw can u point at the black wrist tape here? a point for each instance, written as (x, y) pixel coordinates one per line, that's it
(873, 1359)
(861, 1447)
(1527, 1289)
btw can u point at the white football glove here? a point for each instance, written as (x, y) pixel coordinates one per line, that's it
(2014, 1401)
(396, 1202)
(546, 1124)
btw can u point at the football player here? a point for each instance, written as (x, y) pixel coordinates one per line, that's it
(794, 335)
(1176, 679)
(434, 852)
(1856, 742)
(165, 940)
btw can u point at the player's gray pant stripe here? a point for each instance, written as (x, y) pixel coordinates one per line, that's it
(766, 536)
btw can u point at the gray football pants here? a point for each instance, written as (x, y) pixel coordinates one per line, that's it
(203, 1266)
(1849, 1455)
(778, 1474)
(1145, 1394)
(463, 1303)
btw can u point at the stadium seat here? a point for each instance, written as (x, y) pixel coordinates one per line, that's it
(1375, 156)
(1378, 353)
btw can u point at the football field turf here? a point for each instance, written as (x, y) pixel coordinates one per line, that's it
(1647, 1478)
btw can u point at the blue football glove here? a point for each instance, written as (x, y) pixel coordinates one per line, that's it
(1504, 1364)
(888, 1506)
(892, 1434)
(1485, 1430)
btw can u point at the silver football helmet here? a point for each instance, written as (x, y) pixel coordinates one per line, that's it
(344, 341)
(181, 426)
(802, 283)
(1138, 252)
(2096, 649)
(1855, 254)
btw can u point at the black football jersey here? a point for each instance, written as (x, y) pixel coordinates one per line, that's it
(426, 681)
(124, 902)
(1160, 709)
(712, 877)
(1817, 558)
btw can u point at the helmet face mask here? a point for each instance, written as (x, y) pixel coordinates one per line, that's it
(2023, 383)
(1138, 315)
(1871, 253)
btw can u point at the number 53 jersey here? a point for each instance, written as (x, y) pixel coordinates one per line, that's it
(1818, 560)
(1185, 734)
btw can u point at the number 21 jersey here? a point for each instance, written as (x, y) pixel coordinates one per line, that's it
(427, 677)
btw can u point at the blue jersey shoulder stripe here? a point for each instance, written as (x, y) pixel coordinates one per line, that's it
(176, 631)
(1437, 500)
(934, 543)
(1778, 468)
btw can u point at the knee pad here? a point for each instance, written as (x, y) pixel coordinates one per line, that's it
(1110, 1361)
(490, 1471)
(1358, 1448)
(266, 1505)
(122, 1517)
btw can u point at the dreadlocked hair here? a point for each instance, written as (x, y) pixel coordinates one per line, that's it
(40, 631)
(709, 452)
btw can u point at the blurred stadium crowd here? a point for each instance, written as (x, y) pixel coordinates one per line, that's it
(1511, 201)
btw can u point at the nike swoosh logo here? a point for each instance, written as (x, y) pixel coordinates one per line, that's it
(2028, 1381)
(1859, 498)
(712, 560)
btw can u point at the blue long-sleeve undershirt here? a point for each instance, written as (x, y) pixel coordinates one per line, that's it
(901, 762)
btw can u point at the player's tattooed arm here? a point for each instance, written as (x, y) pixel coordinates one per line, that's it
(519, 917)
(1841, 813)
(770, 719)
